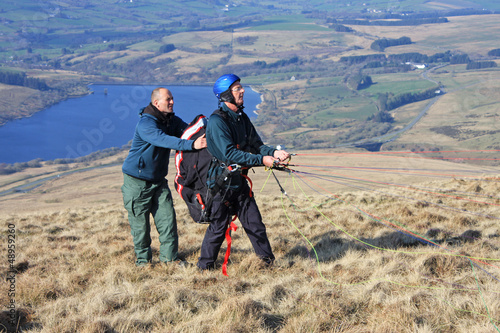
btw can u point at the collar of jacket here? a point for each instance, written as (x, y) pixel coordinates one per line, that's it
(162, 117)
(235, 115)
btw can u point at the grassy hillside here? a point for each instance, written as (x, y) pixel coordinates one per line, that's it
(392, 241)
(378, 243)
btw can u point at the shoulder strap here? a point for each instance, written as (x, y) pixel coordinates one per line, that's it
(221, 113)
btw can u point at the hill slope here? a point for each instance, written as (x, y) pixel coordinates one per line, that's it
(364, 243)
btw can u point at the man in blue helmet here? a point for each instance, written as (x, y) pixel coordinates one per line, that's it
(233, 141)
(145, 189)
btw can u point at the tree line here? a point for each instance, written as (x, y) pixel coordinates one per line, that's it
(358, 81)
(279, 63)
(382, 44)
(247, 40)
(481, 64)
(494, 53)
(341, 28)
(21, 79)
(420, 58)
(387, 102)
(459, 59)
(401, 22)
(381, 60)
(352, 60)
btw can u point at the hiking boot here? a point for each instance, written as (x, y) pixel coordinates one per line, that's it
(209, 268)
(268, 262)
(143, 264)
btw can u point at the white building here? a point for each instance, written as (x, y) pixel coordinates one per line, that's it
(418, 66)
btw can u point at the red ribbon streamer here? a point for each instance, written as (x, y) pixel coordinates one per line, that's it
(231, 227)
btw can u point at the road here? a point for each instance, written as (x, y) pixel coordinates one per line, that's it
(29, 186)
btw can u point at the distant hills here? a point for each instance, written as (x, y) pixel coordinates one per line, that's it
(330, 73)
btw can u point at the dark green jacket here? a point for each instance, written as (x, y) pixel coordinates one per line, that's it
(232, 139)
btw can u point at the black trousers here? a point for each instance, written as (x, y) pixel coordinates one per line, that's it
(244, 206)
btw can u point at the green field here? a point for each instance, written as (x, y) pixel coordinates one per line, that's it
(396, 85)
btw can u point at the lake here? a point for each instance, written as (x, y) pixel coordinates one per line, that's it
(79, 126)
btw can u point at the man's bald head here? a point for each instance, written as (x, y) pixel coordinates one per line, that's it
(163, 100)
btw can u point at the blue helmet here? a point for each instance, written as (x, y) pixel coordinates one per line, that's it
(221, 87)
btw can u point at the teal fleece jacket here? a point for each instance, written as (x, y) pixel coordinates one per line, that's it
(149, 154)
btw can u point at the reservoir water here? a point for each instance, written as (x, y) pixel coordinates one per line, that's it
(79, 126)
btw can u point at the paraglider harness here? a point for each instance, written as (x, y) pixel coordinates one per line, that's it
(196, 169)
(190, 181)
(193, 168)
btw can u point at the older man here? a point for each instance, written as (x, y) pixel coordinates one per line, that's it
(145, 189)
(232, 139)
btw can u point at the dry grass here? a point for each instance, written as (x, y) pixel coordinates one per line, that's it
(12, 97)
(342, 265)
(466, 117)
(470, 34)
